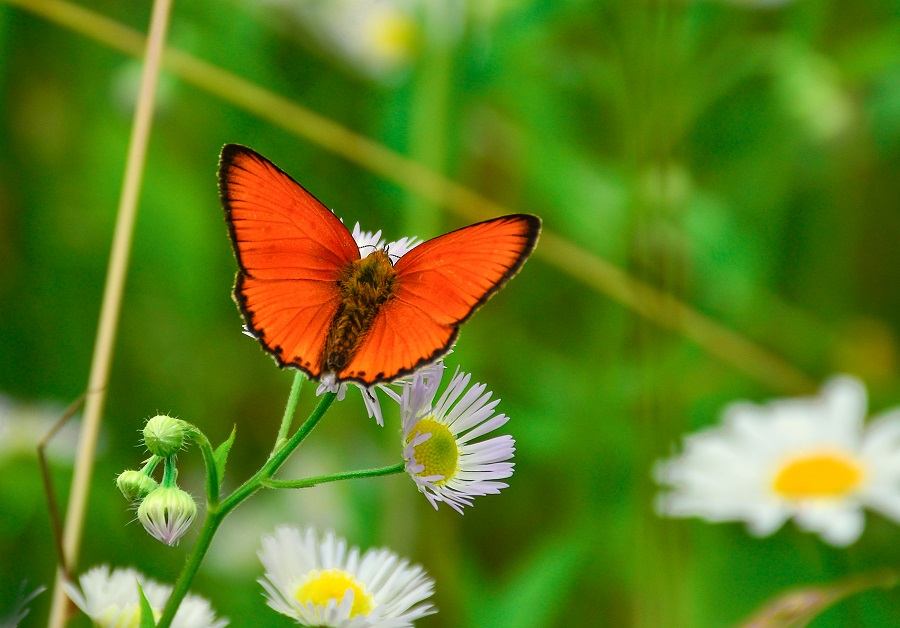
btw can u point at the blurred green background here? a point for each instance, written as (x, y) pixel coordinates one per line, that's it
(740, 156)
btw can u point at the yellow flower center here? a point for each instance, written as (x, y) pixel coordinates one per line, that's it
(439, 453)
(394, 36)
(332, 584)
(822, 474)
(116, 617)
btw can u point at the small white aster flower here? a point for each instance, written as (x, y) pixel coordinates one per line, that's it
(369, 242)
(378, 39)
(322, 583)
(442, 454)
(370, 399)
(810, 459)
(111, 600)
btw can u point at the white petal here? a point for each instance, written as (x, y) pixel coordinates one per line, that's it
(838, 525)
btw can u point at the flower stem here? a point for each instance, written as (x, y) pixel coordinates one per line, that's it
(212, 470)
(299, 378)
(169, 473)
(151, 464)
(216, 513)
(279, 457)
(334, 477)
(211, 523)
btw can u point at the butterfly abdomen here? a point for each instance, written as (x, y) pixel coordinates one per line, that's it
(365, 285)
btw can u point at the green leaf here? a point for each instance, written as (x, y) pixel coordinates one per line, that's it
(222, 454)
(147, 619)
(798, 607)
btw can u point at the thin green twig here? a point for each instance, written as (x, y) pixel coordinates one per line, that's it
(334, 477)
(289, 410)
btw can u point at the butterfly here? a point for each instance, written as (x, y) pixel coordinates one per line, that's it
(316, 303)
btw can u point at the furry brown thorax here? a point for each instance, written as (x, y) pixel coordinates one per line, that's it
(365, 285)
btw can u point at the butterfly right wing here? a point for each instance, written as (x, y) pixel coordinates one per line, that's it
(440, 283)
(290, 250)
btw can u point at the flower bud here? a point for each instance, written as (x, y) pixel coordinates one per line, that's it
(134, 484)
(167, 513)
(164, 435)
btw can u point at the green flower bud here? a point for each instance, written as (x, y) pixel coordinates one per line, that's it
(167, 513)
(134, 484)
(164, 435)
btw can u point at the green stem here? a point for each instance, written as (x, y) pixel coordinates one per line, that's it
(212, 470)
(334, 477)
(151, 464)
(299, 378)
(170, 473)
(279, 457)
(215, 513)
(211, 523)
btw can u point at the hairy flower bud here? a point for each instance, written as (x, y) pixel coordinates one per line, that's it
(135, 484)
(164, 435)
(167, 513)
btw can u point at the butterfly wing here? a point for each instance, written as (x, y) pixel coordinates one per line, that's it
(440, 283)
(290, 250)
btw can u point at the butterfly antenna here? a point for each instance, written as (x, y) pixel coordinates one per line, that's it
(52, 501)
(394, 258)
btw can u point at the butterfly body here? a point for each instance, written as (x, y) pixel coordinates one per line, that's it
(316, 303)
(365, 285)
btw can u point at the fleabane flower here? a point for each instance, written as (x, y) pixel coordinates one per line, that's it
(379, 39)
(810, 459)
(111, 600)
(322, 583)
(443, 454)
(370, 241)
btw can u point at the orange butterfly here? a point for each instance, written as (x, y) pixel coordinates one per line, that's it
(316, 304)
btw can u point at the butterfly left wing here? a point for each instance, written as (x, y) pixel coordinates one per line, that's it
(290, 250)
(440, 283)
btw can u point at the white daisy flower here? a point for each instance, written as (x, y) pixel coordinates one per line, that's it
(369, 241)
(370, 399)
(111, 600)
(810, 459)
(377, 38)
(321, 583)
(440, 448)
